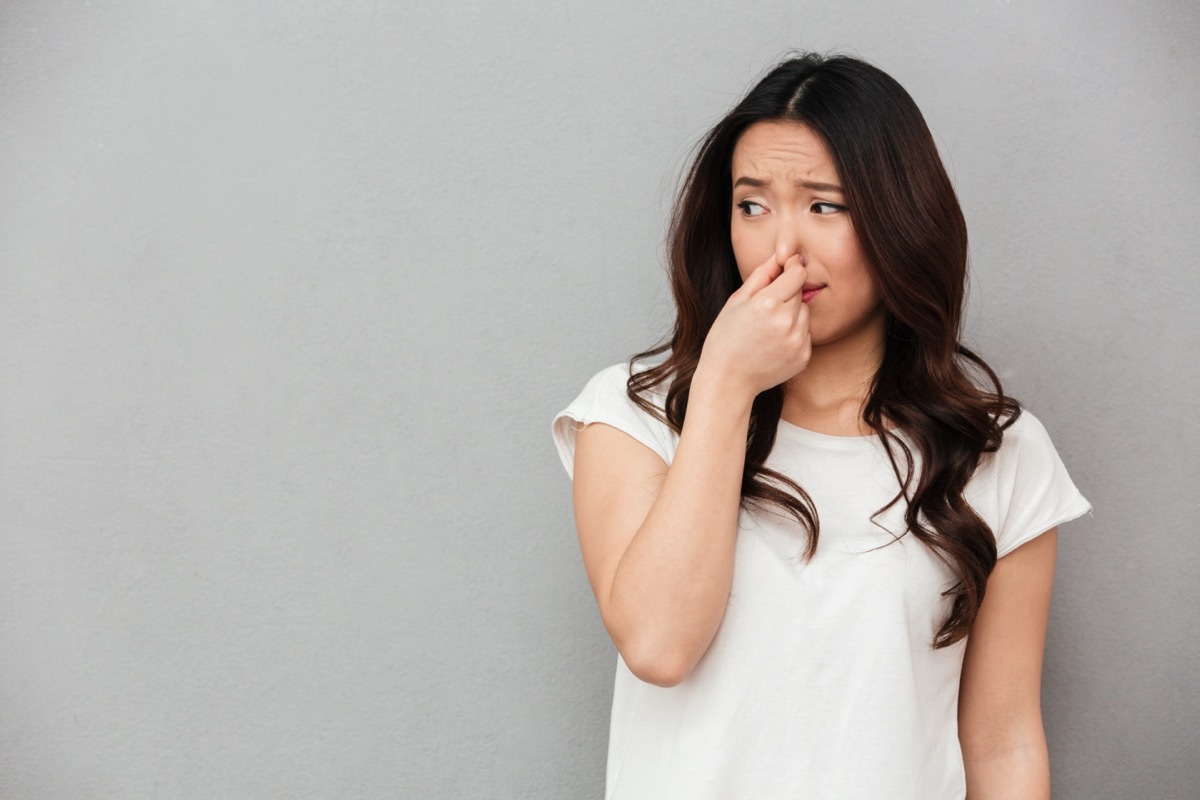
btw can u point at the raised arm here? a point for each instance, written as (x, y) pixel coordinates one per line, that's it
(658, 542)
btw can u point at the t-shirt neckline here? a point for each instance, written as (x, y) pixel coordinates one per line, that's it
(827, 439)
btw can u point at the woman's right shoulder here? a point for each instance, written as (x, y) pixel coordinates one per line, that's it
(605, 399)
(612, 378)
(615, 378)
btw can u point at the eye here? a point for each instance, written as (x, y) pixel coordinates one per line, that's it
(826, 208)
(745, 206)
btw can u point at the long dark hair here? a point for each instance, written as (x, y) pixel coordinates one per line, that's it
(914, 237)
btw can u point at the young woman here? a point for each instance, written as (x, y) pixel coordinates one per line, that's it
(820, 535)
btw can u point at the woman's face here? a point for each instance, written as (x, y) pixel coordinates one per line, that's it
(787, 200)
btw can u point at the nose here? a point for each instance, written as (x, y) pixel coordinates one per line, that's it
(789, 242)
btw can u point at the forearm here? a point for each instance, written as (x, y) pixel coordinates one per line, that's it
(1021, 772)
(670, 588)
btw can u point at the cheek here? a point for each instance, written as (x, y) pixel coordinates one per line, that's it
(747, 250)
(854, 264)
(868, 293)
(845, 251)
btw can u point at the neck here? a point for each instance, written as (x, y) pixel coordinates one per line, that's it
(829, 395)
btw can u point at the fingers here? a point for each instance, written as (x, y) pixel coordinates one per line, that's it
(789, 284)
(761, 277)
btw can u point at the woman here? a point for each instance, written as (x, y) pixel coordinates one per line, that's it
(790, 523)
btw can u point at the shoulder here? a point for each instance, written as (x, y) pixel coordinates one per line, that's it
(1024, 440)
(1025, 425)
(607, 392)
(1024, 489)
(610, 380)
(605, 398)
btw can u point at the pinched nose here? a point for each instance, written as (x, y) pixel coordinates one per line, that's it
(783, 260)
(788, 245)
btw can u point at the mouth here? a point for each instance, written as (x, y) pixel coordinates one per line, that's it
(809, 290)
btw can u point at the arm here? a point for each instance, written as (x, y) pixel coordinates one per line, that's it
(999, 705)
(658, 542)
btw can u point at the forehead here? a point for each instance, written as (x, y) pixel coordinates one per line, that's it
(782, 148)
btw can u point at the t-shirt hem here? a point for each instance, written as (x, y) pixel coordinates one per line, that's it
(571, 424)
(1077, 508)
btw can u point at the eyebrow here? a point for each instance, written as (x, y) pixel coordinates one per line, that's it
(816, 185)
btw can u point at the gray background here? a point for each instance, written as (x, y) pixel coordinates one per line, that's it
(289, 293)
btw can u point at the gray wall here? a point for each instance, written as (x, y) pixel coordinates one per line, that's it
(290, 291)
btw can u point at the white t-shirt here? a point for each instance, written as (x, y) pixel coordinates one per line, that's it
(821, 681)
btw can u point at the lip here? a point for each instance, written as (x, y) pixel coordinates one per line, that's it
(809, 290)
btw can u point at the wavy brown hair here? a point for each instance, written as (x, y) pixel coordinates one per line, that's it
(944, 398)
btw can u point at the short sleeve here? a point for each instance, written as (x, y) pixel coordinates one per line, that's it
(604, 399)
(1027, 487)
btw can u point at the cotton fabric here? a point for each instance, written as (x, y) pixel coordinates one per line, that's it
(821, 681)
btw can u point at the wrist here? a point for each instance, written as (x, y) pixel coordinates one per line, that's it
(713, 387)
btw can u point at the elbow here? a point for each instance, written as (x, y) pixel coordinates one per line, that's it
(658, 652)
(658, 673)
(658, 666)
